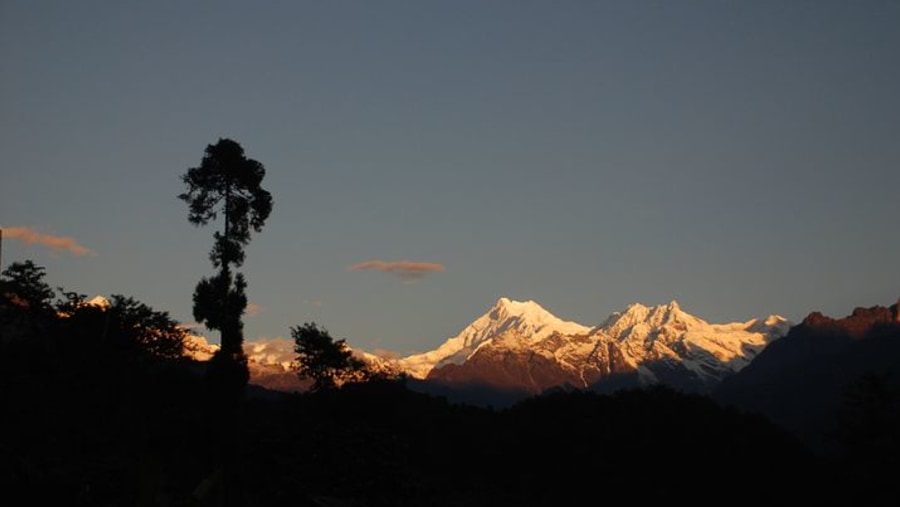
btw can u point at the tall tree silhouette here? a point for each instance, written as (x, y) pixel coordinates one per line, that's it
(226, 183)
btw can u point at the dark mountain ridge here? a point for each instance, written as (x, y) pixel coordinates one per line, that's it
(801, 381)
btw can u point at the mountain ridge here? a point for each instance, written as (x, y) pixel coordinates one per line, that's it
(522, 345)
(802, 381)
(526, 317)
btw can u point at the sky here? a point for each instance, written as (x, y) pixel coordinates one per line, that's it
(426, 158)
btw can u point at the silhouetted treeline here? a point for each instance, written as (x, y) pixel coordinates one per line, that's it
(99, 431)
(85, 423)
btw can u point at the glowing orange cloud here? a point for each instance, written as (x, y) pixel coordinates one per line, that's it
(30, 236)
(408, 271)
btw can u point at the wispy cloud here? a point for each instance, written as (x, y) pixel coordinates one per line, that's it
(31, 236)
(253, 309)
(408, 271)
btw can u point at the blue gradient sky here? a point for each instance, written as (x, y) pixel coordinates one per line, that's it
(740, 157)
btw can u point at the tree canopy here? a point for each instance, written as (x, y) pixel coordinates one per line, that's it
(121, 324)
(328, 362)
(23, 282)
(228, 183)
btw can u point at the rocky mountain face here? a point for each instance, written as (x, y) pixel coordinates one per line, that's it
(521, 346)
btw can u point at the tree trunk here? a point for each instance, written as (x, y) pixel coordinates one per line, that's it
(230, 342)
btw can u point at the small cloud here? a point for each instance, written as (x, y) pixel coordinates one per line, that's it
(407, 271)
(314, 302)
(253, 309)
(31, 236)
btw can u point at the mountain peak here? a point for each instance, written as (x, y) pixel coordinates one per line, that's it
(634, 308)
(652, 316)
(99, 302)
(523, 318)
(512, 303)
(510, 307)
(639, 309)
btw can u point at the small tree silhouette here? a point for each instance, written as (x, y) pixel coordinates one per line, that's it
(328, 362)
(25, 310)
(23, 283)
(121, 324)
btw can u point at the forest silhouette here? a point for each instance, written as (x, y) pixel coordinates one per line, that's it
(97, 411)
(102, 408)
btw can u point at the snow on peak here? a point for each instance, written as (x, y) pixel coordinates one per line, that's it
(526, 313)
(271, 352)
(773, 324)
(198, 348)
(524, 318)
(666, 331)
(638, 336)
(99, 302)
(637, 315)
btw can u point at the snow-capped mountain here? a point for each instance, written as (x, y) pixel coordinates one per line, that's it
(520, 345)
(526, 319)
(271, 362)
(99, 302)
(661, 339)
(198, 348)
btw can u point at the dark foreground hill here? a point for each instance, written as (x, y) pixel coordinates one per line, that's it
(94, 430)
(88, 424)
